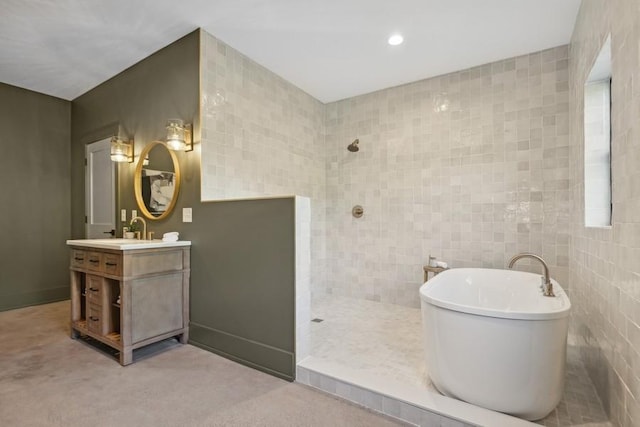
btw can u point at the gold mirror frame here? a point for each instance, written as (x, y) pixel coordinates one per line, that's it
(137, 181)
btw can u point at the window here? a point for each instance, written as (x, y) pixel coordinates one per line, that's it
(597, 141)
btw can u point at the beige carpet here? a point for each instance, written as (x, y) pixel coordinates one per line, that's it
(48, 379)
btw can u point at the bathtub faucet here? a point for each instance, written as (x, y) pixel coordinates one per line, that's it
(547, 287)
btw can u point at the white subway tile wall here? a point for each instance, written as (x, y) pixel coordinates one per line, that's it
(472, 184)
(605, 263)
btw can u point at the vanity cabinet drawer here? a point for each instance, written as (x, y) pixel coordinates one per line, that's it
(93, 289)
(78, 258)
(112, 264)
(94, 318)
(94, 261)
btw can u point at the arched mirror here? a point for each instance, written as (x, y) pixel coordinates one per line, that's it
(157, 181)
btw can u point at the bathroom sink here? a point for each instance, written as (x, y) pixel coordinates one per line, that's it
(124, 244)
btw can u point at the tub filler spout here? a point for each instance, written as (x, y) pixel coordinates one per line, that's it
(547, 286)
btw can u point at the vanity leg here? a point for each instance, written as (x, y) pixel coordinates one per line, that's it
(74, 334)
(184, 337)
(126, 356)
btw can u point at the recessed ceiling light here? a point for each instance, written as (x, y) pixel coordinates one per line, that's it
(395, 39)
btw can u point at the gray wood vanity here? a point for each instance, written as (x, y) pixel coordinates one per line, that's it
(129, 293)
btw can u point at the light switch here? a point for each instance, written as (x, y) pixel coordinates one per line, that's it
(187, 215)
(134, 213)
(123, 215)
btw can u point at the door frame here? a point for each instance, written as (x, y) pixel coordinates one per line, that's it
(87, 186)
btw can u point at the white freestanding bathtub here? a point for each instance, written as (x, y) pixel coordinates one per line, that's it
(492, 339)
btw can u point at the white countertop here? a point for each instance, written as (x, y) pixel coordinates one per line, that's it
(126, 244)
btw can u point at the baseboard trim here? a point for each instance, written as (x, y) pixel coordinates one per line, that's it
(26, 299)
(265, 358)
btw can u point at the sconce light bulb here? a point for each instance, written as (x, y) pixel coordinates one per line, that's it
(121, 151)
(176, 135)
(176, 144)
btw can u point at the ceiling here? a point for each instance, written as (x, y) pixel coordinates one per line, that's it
(332, 49)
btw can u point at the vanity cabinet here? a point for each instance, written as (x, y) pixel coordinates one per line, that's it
(128, 295)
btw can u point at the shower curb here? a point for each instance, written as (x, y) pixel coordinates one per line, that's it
(391, 398)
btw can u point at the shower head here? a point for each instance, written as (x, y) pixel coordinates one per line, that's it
(353, 147)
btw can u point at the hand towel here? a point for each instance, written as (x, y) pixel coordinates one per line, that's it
(171, 236)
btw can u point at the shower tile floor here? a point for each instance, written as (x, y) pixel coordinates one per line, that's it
(384, 340)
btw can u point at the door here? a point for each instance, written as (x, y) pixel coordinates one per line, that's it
(100, 191)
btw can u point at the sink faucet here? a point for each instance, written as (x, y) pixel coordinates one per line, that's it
(547, 287)
(144, 226)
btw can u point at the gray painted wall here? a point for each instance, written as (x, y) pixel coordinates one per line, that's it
(140, 100)
(243, 282)
(35, 220)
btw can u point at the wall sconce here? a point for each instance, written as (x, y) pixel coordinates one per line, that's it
(179, 135)
(121, 151)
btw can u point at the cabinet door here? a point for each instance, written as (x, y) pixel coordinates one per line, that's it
(156, 306)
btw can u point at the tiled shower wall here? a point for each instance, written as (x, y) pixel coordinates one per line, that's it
(472, 185)
(605, 262)
(261, 136)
